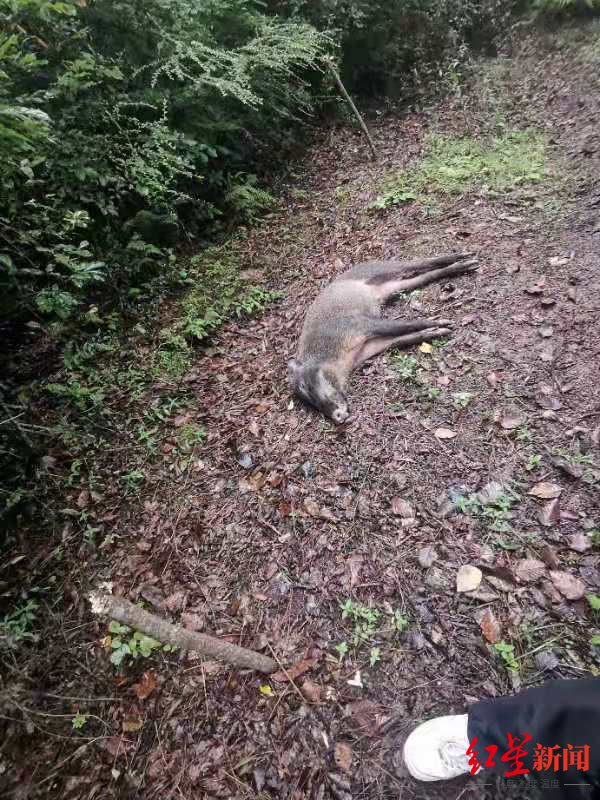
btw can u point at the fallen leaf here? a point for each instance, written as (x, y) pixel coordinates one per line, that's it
(354, 564)
(132, 724)
(426, 556)
(342, 755)
(146, 686)
(511, 421)
(550, 513)
(402, 508)
(311, 691)
(545, 491)
(444, 433)
(299, 668)
(266, 690)
(574, 470)
(568, 585)
(490, 627)
(425, 347)
(311, 507)
(579, 542)
(557, 261)
(549, 557)
(493, 378)
(328, 515)
(356, 680)
(468, 578)
(530, 570)
(83, 499)
(544, 397)
(181, 420)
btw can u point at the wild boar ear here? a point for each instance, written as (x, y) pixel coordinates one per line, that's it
(294, 369)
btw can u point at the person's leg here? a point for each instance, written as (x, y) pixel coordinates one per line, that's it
(562, 717)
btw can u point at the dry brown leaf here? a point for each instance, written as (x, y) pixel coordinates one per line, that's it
(544, 397)
(444, 433)
(490, 627)
(549, 557)
(132, 724)
(468, 578)
(342, 755)
(365, 714)
(354, 564)
(311, 691)
(253, 428)
(146, 686)
(511, 421)
(402, 508)
(181, 420)
(326, 514)
(311, 507)
(550, 513)
(83, 499)
(293, 672)
(530, 570)
(545, 491)
(568, 585)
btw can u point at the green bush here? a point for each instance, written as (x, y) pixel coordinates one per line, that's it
(399, 47)
(124, 124)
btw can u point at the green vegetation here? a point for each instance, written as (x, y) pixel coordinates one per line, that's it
(493, 513)
(507, 654)
(453, 166)
(124, 643)
(366, 623)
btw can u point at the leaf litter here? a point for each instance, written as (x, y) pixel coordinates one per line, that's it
(264, 561)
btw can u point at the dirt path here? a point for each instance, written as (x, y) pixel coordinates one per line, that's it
(282, 518)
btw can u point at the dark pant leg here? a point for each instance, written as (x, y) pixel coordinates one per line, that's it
(565, 712)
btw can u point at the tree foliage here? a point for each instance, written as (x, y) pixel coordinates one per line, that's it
(109, 110)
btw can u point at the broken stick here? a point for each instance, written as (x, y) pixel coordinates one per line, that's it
(121, 610)
(350, 102)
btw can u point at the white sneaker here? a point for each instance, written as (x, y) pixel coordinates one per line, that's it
(437, 749)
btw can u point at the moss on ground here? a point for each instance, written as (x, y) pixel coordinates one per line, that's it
(454, 166)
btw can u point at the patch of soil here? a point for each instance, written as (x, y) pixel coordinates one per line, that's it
(282, 517)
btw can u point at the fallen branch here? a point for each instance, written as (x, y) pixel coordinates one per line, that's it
(350, 102)
(127, 613)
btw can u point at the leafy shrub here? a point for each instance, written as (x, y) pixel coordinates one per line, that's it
(120, 121)
(396, 48)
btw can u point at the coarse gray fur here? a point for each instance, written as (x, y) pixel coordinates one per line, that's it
(343, 327)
